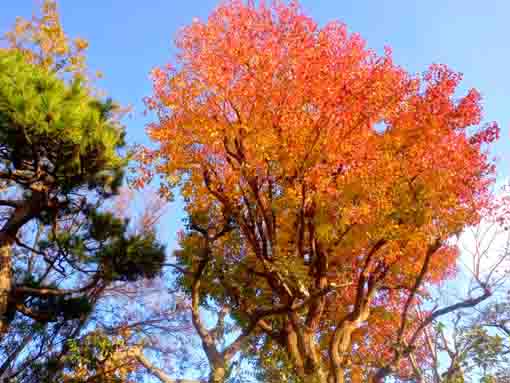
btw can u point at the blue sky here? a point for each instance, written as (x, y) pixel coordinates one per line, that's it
(128, 38)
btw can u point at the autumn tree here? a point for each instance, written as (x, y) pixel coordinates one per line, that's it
(467, 347)
(43, 42)
(469, 344)
(489, 341)
(323, 185)
(62, 160)
(471, 349)
(129, 322)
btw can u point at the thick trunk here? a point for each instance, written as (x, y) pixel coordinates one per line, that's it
(217, 374)
(341, 343)
(301, 338)
(5, 282)
(339, 375)
(22, 214)
(314, 377)
(314, 365)
(305, 356)
(340, 347)
(293, 347)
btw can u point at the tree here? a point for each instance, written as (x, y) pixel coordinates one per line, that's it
(491, 334)
(470, 344)
(43, 42)
(125, 316)
(61, 163)
(323, 185)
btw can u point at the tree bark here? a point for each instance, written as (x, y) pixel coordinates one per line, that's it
(304, 355)
(341, 342)
(217, 374)
(340, 345)
(5, 282)
(23, 213)
(293, 348)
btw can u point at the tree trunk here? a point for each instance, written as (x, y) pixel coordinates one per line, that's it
(307, 366)
(5, 282)
(23, 213)
(316, 377)
(341, 344)
(293, 349)
(217, 374)
(339, 375)
(313, 366)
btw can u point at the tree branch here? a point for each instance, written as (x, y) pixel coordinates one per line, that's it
(157, 372)
(11, 203)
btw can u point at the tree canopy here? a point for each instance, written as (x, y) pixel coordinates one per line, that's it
(61, 161)
(323, 184)
(327, 191)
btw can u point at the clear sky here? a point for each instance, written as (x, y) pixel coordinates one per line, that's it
(129, 37)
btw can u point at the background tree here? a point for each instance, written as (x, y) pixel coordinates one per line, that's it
(342, 179)
(143, 316)
(43, 42)
(61, 162)
(464, 345)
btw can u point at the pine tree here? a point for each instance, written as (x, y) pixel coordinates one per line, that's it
(60, 162)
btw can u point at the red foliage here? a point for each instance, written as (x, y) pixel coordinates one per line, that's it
(276, 121)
